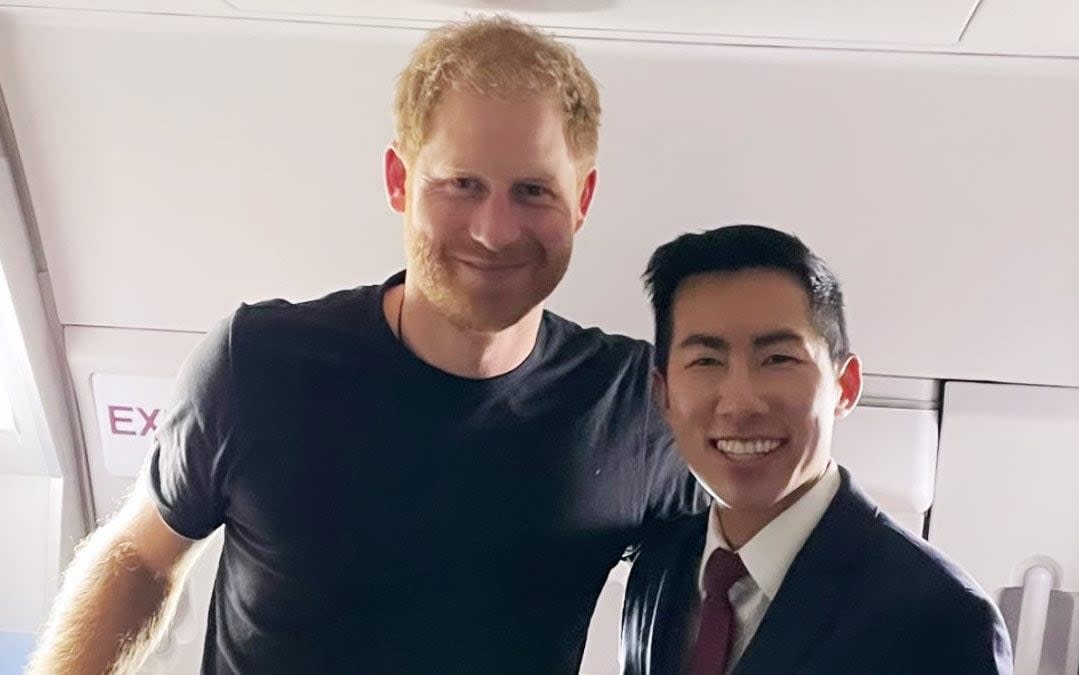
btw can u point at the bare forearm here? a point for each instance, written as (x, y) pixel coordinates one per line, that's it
(107, 615)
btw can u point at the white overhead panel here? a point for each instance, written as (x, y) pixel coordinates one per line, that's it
(1013, 27)
(884, 21)
(176, 7)
(1044, 27)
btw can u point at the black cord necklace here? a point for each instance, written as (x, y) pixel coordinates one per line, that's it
(400, 317)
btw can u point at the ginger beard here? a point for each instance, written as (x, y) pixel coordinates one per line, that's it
(477, 300)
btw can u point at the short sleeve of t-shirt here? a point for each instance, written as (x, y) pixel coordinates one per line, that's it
(672, 489)
(193, 448)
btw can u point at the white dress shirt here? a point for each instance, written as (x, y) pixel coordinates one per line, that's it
(767, 557)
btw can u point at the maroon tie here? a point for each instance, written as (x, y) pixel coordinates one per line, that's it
(713, 645)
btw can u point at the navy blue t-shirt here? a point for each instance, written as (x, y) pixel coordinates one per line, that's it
(383, 516)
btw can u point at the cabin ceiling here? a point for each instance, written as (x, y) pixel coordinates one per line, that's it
(899, 21)
(1019, 27)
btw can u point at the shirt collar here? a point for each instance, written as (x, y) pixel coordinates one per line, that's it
(769, 554)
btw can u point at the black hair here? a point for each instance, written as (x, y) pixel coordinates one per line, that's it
(740, 247)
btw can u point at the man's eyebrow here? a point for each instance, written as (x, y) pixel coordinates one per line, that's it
(721, 344)
(543, 178)
(450, 170)
(777, 337)
(705, 340)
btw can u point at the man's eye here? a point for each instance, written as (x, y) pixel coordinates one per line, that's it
(705, 361)
(776, 359)
(465, 183)
(531, 190)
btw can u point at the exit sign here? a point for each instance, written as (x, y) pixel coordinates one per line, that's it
(129, 409)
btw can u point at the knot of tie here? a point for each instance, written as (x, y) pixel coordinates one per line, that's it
(721, 571)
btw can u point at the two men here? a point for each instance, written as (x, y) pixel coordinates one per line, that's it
(482, 463)
(793, 569)
(485, 463)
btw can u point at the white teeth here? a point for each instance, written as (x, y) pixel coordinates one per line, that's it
(746, 447)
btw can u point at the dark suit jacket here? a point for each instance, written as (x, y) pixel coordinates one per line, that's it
(862, 597)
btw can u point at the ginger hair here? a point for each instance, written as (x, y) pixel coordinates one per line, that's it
(496, 56)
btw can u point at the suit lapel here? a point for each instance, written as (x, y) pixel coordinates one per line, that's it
(814, 588)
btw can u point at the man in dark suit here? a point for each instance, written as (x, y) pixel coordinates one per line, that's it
(794, 569)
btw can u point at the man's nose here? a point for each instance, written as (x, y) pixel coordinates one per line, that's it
(739, 394)
(495, 223)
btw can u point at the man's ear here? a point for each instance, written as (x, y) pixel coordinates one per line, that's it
(850, 386)
(659, 390)
(396, 175)
(588, 189)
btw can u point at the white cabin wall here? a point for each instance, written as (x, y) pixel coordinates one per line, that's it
(25, 579)
(248, 152)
